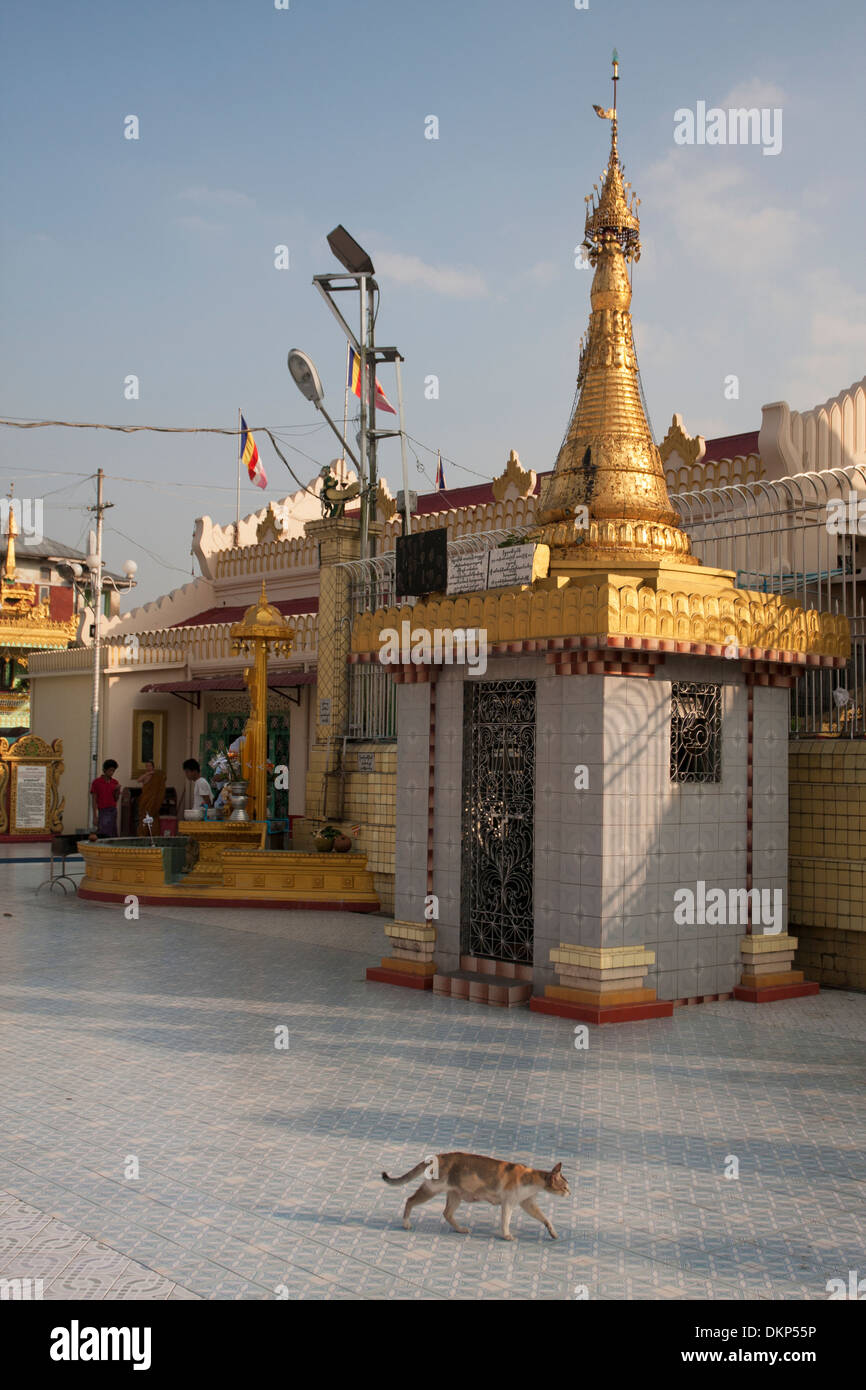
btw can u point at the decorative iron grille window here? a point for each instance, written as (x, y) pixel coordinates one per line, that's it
(372, 703)
(696, 732)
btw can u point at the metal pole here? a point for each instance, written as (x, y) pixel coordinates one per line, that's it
(371, 398)
(346, 393)
(407, 524)
(362, 285)
(96, 594)
(238, 500)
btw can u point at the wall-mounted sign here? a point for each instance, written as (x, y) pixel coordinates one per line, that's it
(31, 785)
(512, 564)
(467, 573)
(421, 563)
(366, 762)
(325, 711)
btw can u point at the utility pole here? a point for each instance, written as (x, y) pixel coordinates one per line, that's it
(96, 595)
(367, 550)
(364, 442)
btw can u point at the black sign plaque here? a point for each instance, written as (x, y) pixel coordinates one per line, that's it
(422, 563)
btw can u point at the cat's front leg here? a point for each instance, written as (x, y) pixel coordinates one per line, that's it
(531, 1207)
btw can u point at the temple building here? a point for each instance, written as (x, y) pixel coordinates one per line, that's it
(41, 609)
(566, 814)
(667, 681)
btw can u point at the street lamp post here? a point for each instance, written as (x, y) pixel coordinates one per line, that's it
(359, 277)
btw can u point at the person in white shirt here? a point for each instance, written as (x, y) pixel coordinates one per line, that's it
(201, 792)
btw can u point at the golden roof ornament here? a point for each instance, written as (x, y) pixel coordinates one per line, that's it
(9, 567)
(607, 497)
(262, 620)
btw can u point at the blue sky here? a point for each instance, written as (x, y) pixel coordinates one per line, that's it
(261, 127)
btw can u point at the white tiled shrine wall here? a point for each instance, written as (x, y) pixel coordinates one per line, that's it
(608, 858)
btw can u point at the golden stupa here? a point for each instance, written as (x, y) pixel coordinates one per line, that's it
(606, 503)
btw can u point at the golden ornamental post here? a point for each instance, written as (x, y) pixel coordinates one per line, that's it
(262, 630)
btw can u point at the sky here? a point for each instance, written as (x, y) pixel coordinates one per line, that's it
(262, 127)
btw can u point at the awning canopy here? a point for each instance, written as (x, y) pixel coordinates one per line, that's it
(191, 690)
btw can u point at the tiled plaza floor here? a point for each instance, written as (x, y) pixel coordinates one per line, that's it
(259, 1168)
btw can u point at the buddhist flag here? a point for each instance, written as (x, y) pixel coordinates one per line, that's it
(440, 476)
(250, 456)
(382, 402)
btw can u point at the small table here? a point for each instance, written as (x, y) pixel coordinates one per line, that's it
(61, 847)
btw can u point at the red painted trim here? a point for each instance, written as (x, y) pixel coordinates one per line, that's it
(191, 900)
(26, 840)
(396, 977)
(761, 665)
(609, 1013)
(769, 996)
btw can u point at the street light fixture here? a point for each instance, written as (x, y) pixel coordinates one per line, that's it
(349, 253)
(359, 266)
(305, 376)
(307, 379)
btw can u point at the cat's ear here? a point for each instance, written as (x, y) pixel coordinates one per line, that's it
(557, 1169)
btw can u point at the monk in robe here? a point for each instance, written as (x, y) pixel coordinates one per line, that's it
(152, 796)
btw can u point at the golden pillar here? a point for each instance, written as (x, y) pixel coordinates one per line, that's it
(262, 630)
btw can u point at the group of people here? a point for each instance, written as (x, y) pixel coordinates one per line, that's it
(105, 794)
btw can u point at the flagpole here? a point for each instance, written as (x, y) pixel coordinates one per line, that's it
(238, 504)
(346, 395)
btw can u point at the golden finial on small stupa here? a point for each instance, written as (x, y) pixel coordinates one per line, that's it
(609, 464)
(9, 568)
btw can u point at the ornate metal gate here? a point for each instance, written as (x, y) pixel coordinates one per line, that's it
(498, 819)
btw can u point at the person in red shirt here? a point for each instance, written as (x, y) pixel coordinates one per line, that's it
(104, 791)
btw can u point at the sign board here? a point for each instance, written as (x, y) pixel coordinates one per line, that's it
(466, 573)
(31, 787)
(421, 563)
(512, 564)
(325, 711)
(366, 762)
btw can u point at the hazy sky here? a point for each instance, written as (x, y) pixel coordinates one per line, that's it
(261, 127)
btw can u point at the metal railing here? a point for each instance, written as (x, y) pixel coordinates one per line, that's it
(372, 583)
(372, 713)
(775, 537)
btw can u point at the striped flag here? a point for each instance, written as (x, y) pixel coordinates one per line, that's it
(250, 456)
(382, 402)
(440, 476)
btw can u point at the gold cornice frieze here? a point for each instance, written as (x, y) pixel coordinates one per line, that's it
(730, 618)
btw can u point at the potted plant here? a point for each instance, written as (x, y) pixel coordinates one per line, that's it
(342, 843)
(324, 839)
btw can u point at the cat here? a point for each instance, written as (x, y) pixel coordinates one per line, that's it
(474, 1178)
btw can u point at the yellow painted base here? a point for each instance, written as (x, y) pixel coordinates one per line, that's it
(247, 877)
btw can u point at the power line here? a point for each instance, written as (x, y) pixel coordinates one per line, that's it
(165, 564)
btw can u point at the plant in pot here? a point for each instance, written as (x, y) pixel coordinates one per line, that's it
(342, 843)
(324, 839)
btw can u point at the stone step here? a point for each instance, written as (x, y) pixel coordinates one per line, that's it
(502, 991)
(483, 965)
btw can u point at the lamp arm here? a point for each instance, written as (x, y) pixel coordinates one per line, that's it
(320, 407)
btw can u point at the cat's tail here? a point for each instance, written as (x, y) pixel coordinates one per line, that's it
(407, 1177)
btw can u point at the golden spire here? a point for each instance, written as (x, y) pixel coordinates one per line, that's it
(609, 463)
(9, 570)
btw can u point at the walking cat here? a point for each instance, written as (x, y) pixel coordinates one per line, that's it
(474, 1178)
